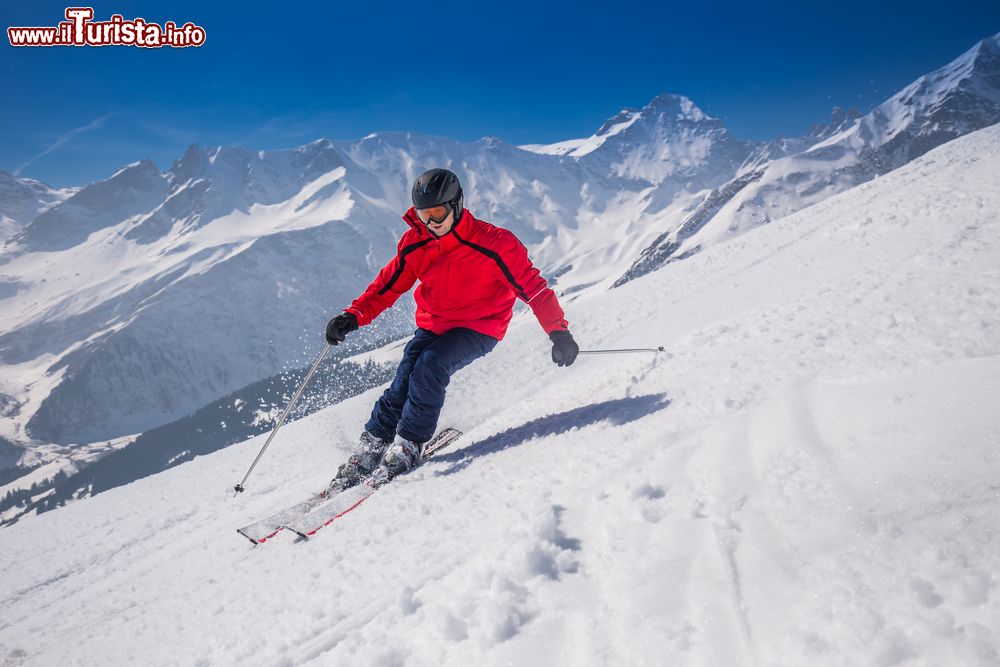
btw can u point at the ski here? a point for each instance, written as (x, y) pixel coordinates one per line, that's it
(264, 529)
(444, 438)
(306, 525)
(260, 531)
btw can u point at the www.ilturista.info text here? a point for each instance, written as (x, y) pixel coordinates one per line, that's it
(81, 30)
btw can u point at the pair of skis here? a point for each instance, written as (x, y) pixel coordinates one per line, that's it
(323, 508)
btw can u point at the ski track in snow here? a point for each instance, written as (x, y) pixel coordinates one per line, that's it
(809, 475)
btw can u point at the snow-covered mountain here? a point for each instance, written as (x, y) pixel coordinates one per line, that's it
(961, 97)
(24, 199)
(138, 299)
(840, 120)
(808, 476)
(669, 141)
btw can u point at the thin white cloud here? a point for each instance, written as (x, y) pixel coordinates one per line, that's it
(169, 133)
(89, 127)
(286, 127)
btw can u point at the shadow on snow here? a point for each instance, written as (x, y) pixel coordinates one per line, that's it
(619, 411)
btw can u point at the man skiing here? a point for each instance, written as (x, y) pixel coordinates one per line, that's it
(470, 274)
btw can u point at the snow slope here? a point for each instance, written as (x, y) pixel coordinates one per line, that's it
(809, 476)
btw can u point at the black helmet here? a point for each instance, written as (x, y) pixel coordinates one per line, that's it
(435, 187)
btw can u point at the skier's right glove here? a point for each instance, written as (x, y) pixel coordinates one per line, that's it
(564, 348)
(338, 328)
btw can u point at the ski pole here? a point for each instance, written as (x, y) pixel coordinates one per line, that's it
(281, 420)
(627, 351)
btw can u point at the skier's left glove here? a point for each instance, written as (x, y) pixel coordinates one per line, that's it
(564, 348)
(338, 328)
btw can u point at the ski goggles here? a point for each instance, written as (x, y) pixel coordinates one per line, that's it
(435, 214)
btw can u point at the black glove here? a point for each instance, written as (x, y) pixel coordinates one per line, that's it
(338, 328)
(564, 348)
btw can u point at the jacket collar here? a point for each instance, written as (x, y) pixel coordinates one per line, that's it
(414, 222)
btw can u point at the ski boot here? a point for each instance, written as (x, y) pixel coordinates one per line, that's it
(401, 455)
(362, 462)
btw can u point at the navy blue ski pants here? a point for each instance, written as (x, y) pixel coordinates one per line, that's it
(412, 403)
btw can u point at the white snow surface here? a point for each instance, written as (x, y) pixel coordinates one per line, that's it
(809, 475)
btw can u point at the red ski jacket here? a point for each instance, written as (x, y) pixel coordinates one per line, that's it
(470, 277)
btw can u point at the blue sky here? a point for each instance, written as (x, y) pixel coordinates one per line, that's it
(533, 72)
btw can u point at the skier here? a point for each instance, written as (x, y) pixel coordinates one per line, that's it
(470, 274)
